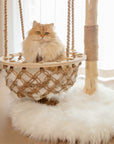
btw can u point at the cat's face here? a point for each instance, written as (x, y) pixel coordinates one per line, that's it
(42, 32)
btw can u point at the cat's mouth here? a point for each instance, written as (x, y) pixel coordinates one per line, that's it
(41, 40)
(44, 40)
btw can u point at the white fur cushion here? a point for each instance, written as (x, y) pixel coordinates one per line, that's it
(77, 117)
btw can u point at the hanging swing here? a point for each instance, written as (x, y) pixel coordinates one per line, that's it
(37, 80)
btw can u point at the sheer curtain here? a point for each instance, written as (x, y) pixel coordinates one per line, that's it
(106, 34)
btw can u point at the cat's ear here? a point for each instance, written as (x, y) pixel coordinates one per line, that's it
(52, 25)
(34, 23)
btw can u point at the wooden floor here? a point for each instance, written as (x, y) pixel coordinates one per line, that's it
(9, 136)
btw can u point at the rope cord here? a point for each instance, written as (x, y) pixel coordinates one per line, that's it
(69, 24)
(73, 27)
(91, 42)
(5, 29)
(21, 17)
(68, 28)
(1, 28)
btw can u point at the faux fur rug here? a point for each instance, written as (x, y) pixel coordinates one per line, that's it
(77, 117)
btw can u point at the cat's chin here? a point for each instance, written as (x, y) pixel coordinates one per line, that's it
(35, 39)
(44, 40)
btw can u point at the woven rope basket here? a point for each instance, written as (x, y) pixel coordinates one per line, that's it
(38, 82)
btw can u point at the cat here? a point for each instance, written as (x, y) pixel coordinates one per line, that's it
(42, 44)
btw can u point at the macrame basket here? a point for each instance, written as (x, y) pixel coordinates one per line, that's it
(38, 80)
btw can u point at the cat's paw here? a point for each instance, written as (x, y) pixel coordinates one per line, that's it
(52, 101)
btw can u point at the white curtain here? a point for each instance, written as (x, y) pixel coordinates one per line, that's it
(106, 34)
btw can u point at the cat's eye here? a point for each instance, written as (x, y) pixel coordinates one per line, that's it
(46, 33)
(38, 32)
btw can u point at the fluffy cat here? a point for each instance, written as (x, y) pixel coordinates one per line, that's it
(42, 44)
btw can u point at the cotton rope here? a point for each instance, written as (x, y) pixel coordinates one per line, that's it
(91, 42)
(21, 17)
(5, 30)
(69, 24)
(68, 29)
(72, 27)
(1, 28)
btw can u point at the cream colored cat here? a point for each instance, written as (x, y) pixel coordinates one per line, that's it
(42, 44)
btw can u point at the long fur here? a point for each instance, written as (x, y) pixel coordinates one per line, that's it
(77, 117)
(5, 100)
(37, 47)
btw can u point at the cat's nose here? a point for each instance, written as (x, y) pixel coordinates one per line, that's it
(42, 36)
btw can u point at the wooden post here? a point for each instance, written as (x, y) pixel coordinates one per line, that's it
(91, 46)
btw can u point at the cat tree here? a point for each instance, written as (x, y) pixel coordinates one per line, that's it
(79, 117)
(91, 46)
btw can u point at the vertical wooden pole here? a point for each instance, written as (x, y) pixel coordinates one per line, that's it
(91, 41)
